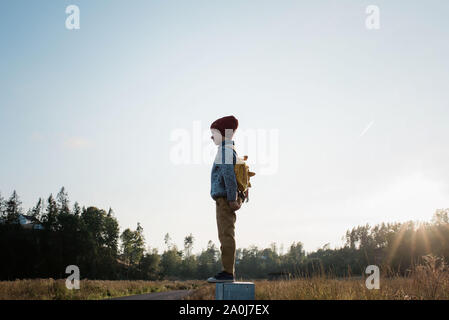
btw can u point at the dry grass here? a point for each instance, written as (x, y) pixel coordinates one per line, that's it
(320, 288)
(429, 281)
(50, 289)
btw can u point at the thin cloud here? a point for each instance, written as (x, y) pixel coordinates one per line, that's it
(77, 143)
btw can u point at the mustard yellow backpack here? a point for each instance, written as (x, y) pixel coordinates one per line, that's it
(243, 175)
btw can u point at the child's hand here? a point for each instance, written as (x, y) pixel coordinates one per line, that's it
(235, 205)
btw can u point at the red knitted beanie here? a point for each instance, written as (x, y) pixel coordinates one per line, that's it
(229, 122)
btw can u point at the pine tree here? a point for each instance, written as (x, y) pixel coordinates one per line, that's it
(51, 214)
(133, 245)
(188, 245)
(126, 239)
(13, 208)
(139, 243)
(36, 211)
(62, 199)
(167, 241)
(76, 209)
(111, 232)
(2, 207)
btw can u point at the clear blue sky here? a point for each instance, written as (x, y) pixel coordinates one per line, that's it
(362, 115)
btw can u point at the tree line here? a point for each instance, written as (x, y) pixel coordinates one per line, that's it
(90, 238)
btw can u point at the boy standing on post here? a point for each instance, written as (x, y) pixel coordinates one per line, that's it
(225, 193)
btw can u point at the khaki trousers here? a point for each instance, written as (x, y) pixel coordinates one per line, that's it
(226, 233)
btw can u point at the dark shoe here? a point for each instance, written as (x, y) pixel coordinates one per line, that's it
(221, 277)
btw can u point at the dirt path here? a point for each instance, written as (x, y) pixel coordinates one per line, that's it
(167, 295)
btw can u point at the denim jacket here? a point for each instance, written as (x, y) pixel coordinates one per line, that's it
(223, 181)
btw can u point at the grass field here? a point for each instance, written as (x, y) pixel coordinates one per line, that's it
(429, 281)
(50, 289)
(332, 289)
(295, 289)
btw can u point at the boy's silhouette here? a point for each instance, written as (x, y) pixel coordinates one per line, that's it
(225, 193)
